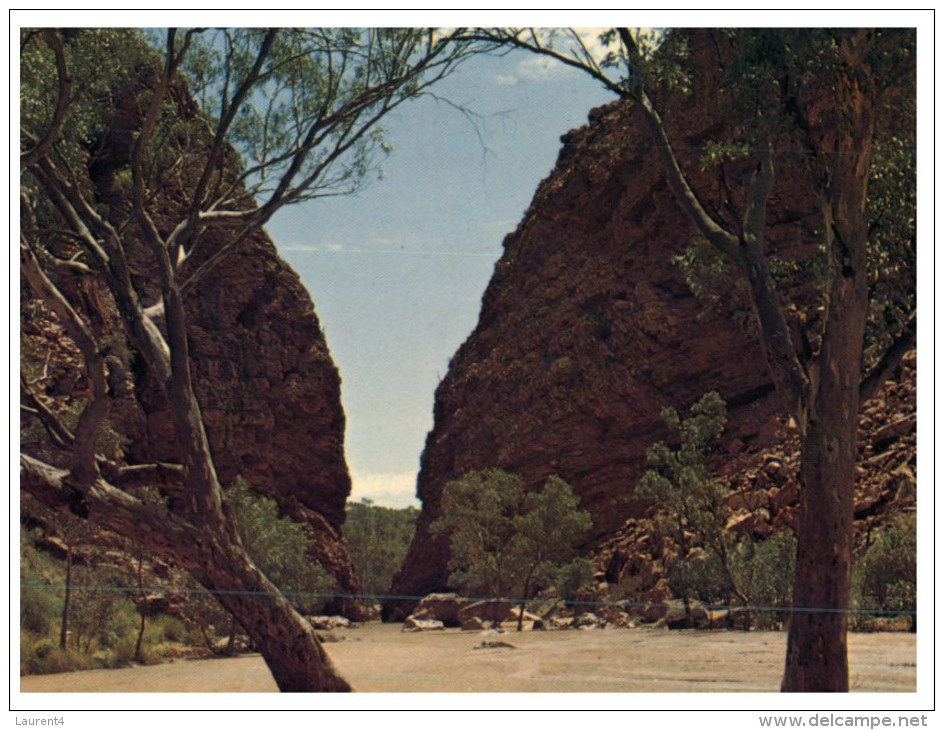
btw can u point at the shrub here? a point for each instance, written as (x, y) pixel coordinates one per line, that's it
(377, 540)
(885, 576)
(574, 577)
(767, 574)
(504, 540)
(280, 547)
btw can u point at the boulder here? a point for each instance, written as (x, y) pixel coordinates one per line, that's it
(677, 616)
(495, 645)
(420, 624)
(329, 623)
(443, 607)
(615, 616)
(650, 612)
(788, 494)
(493, 610)
(589, 620)
(474, 623)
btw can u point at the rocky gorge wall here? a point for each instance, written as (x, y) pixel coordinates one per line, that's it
(589, 326)
(268, 388)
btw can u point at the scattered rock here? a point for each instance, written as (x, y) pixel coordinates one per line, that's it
(329, 623)
(493, 610)
(495, 645)
(443, 607)
(680, 616)
(589, 620)
(474, 623)
(419, 624)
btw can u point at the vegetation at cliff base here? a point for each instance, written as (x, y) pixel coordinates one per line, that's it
(506, 541)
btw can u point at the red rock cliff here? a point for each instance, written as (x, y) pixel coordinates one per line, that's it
(588, 329)
(267, 386)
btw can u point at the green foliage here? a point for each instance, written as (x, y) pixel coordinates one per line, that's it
(101, 612)
(699, 575)
(679, 480)
(478, 514)
(377, 540)
(662, 63)
(504, 540)
(549, 527)
(713, 565)
(40, 605)
(892, 239)
(573, 577)
(280, 547)
(765, 572)
(98, 59)
(885, 576)
(318, 88)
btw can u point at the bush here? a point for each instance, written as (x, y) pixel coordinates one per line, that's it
(42, 655)
(767, 575)
(101, 613)
(505, 540)
(573, 577)
(40, 603)
(377, 540)
(885, 576)
(280, 547)
(700, 575)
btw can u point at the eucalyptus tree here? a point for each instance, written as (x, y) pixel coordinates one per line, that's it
(287, 115)
(843, 100)
(503, 538)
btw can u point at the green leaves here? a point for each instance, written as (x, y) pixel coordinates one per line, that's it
(377, 540)
(679, 478)
(279, 546)
(885, 577)
(503, 539)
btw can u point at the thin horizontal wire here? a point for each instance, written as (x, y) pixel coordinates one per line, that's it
(399, 251)
(705, 148)
(385, 597)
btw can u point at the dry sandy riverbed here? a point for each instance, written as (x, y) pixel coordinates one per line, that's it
(382, 658)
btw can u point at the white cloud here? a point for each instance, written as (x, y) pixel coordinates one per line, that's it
(503, 80)
(395, 490)
(326, 247)
(536, 67)
(542, 67)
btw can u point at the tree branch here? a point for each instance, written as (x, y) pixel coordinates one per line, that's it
(106, 505)
(83, 465)
(32, 155)
(57, 430)
(904, 343)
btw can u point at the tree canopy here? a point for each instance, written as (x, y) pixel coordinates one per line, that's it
(505, 540)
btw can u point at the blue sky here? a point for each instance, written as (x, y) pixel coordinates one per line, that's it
(397, 271)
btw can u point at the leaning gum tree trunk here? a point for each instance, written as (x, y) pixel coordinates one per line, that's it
(218, 561)
(286, 640)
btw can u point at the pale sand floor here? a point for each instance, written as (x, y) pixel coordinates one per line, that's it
(382, 658)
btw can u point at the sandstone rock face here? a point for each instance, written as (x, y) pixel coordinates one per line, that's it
(588, 329)
(267, 386)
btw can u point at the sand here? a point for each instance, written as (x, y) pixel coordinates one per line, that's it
(382, 658)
